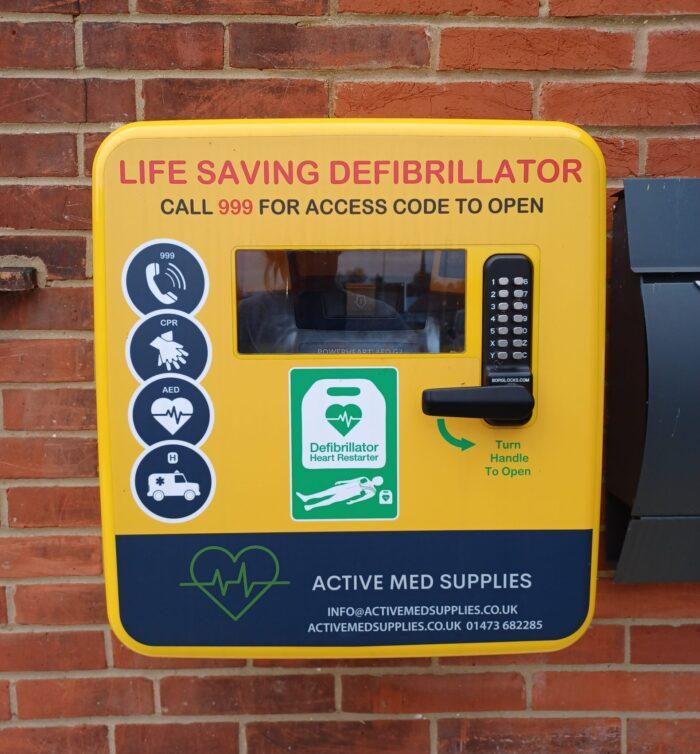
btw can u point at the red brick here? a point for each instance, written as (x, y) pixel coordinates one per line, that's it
(110, 101)
(389, 694)
(675, 645)
(339, 737)
(331, 47)
(78, 650)
(194, 738)
(621, 158)
(3, 605)
(125, 658)
(47, 457)
(622, 104)
(518, 735)
(238, 7)
(433, 7)
(255, 695)
(474, 49)
(677, 157)
(37, 507)
(45, 360)
(63, 256)
(4, 702)
(663, 736)
(50, 207)
(211, 98)
(37, 45)
(84, 697)
(426, 100)
(79, 739)
(153, 46)
(381, 662)
(60, 604)
(71, 7)
(41, 6)
(616, 690)
(674, 51)
(104, 6)
(38, 155)
(30, 557)
(647, 600)
(59, 408)
(42, 101)
(47, 309)
(622, 7)
(600, 644)
(91, 143)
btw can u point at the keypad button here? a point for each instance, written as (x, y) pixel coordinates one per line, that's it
(518, 305)
(502, 355)
(519, 281)
(519, 355)
(517, 343)
(503, 331)
(503, 306)
(503, 343)
(503, 281)
(519, 293)
(518, 330)
(519, 318)
(502, 294)
(502, 317)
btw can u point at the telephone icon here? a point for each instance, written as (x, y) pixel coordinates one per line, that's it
(171, 279)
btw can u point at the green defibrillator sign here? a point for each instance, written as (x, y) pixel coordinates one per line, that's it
(344, 443)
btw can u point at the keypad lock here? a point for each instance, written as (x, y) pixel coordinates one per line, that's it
(507, 334)
(505, 397)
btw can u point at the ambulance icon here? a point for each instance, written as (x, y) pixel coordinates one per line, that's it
(176, 473)
(172, 484)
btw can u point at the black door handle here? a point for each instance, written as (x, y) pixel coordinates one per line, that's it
(510, 403)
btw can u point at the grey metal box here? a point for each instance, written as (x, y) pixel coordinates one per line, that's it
(653, 383)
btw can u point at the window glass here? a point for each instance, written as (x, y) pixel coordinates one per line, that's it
(350, 301)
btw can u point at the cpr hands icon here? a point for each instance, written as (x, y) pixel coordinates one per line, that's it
(168, 343)
(171, 354)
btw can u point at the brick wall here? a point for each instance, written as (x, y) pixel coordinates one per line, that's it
(71, 70)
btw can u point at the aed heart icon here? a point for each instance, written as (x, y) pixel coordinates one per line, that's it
(234, 582)
(172, 414)
(343, 418)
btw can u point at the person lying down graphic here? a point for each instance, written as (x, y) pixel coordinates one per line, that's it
(349, 491)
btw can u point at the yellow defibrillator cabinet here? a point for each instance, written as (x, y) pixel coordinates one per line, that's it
(350, 381)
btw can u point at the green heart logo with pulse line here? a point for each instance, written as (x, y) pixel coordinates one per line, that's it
(234, 582)
(343, 418)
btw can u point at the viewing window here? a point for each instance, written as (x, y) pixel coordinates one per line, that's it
(351, 301)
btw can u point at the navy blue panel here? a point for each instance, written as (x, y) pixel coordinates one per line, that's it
(380, 588)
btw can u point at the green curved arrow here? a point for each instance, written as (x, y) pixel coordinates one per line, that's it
(459, 442)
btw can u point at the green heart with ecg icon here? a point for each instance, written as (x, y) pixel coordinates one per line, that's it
(234, 582)
(344, 418)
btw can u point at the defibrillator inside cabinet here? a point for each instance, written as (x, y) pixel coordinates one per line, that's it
(350, 386)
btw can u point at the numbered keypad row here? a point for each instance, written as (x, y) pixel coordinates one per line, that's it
(504, 306)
